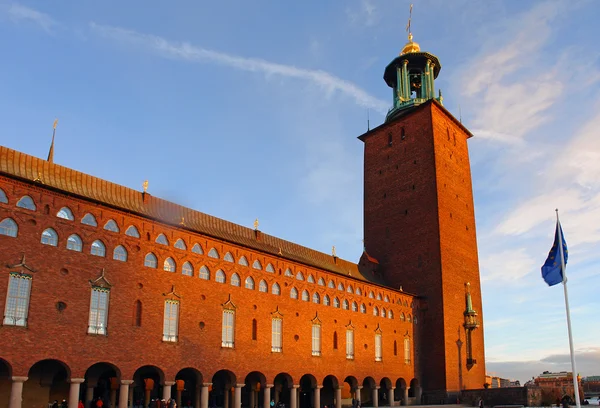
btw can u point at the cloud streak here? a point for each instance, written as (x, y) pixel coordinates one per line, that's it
(19, 13)
(188, 52)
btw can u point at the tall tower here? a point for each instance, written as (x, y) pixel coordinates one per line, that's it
(419, 222)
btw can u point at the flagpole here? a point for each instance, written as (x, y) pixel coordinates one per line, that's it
(564, 282)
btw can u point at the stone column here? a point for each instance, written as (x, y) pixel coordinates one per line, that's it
(113, 397)
(317, 396)
(252, 398)
(357, 393)
(418, 392)
(405, 398)
(167, 390)
(89, 394)
(226, 398)
(338, 397)
(267, 395)
(238, 396)
(375, 396)
(130, 397)
(204, 397)
(391, 396)
(74, 391)
(294, 396)
(124, 393)
(178, 397)
(16, 392)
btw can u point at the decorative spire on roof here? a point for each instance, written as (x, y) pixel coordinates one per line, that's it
(51, 152)
(145, 186)
(256, 224)
(333, 252)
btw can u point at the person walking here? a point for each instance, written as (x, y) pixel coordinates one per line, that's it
(80, 405)
(480, 404)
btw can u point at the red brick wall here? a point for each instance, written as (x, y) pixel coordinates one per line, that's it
(64, 275)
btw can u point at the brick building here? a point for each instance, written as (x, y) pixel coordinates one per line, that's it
(116, 294)
(555, 386)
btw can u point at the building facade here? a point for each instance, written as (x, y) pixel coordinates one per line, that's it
(115, 294)
(556, 386)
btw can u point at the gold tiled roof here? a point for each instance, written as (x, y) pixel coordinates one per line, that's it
(33, 169)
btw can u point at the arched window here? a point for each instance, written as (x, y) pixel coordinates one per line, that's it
(254, 329)
(316, 298)
(213, 253)
(179, 244)
(162, 240)
(228, 257)
(111, 225)
(150, 260)
(407, 351)
(169, 265)
(321, 282)
(326, 300)
(375, 311)
(120, 254)
(335, 340)
(305, 295)
(263, 287)
(204, 273)
(355, 307)
(257, 265)
(310, 279)
(9, 228)
(98, 248)
(331, 284)
(27, 203)
(288, 273)
(299, 276)
(249, 284)
(187, 269)
(379, 296)
(408, 318)
(358, 292)
(341, 286)
(349, 289)
(49, 237)
(137, 313)
(371, 295)
(345, 304)
(390, 314)
(386, 298)
(220, 276)
(89, 219)
(270, 268)
(3, 198)
(336, 302)
(294, 293)
(65, 213)
(275, 289)
(383, 312)
(363, 308)
(235, 279)
(132, 231)
(402, 317)
(243, 261)
(74, 243)
(197, 249)
(395, 348)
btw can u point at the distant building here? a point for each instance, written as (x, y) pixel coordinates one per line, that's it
(557, 385)
(591, 383)
(497, 382)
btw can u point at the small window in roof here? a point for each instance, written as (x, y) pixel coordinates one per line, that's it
(257, 265)
(379, 296)
(371, 295)
(98, 248)
(249, 283)
(120, 254)
(331, 284)
(270, 268)
(213, 253)
(9, 227)
(276, 289)
(204, 273)
(162, 239)
(49, 237)
(169, 265)
(345, 304)
(187, 269)
(197, 249)
(220, 276)
(179, 244)
(132, 231)
(89, 219)
(228, 257)
(27, 203)
(341, 286)
(310, 279)
(243, 261)
(111, 225)
(349, 289)
(65, 213)
(74, 243)
(263, 287)
(289, 273)
(235, 279)
(299, 276)
(357, 291)
(150, 260)
(3, 198)
(321, 282)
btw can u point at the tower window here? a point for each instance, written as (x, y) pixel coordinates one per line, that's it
(390, 136)
(402, 134)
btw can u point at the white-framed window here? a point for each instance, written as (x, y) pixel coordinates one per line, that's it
(390, 314)
(162, 240)
(288, 273)
(3, 198)
(316, 298)
(340, 286)
(213, 253)
(402, 317)
(49, 237)
(171, 320)
(375, 311)
(349, 289)
(197, 249)
(74, 243)
(257, 265)
(326, 300)
(321, 282)
(310, 279)
(111, 225)
(378, 347)
(27, 203)
(345, 304)
(350, 344)
(275, 289)
(17, 299)
(407, 351)
(355, 307)
(379, 296)
(243, 261)
(294, 293)
(98, 248)
(249, 283)
(371, 295)
(227, 336)
(120, 253)
(204, 273)
(269, 268)
(98, 311)
(9, 228)
(65, 213)
(263, 287)
(305, 295)
(169, 265)
(336, 302)
(316, 339)
(357, 291)
(150, 260)
(89, 219)
(235, 279)
(300, 276)
(363, 308)
(187, 269)
(276, 325)
(179, 244)
(220, 276)
(386, 299)
(228, 257)
(331, 284)
(132, 231)
(383, 312)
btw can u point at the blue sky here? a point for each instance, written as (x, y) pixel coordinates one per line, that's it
(251, 109)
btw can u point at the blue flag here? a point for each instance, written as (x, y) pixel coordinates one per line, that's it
(552, 270)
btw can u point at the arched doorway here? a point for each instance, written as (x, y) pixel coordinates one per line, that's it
(147, 384)
(415, 391)
(308, 384)
(350, 390)
(48, 381)
(5, 382)
(251, 393)
(102, 381)
(367, 392)
(222, 393)
(283, 384)
(385, 391)
(328, 392)
(401, 394)
(188, 388)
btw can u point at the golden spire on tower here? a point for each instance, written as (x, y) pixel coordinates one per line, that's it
(410, 46)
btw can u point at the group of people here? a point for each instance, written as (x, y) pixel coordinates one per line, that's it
(162, 403)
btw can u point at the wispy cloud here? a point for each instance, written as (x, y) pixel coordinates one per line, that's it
(508, 266)
(365, 14)
(20, 13)
(188, 52)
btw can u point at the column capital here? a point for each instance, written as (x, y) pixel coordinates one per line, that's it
(268, 385)
(76, 380)
(240, 385)
(318, 387)
(169, 383)
(126, 382)
(392, 388)
(359, 387)
(377, 387)
(295, 386)
(339, 387)
(19, 379)
(207, 384)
